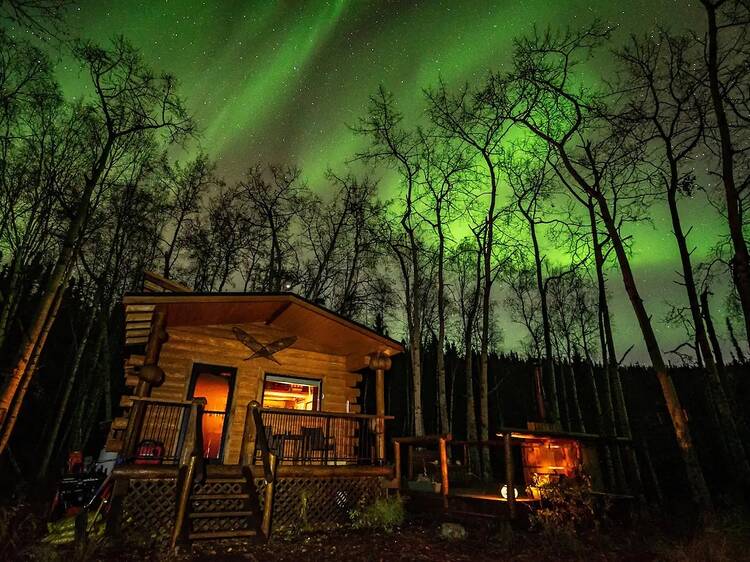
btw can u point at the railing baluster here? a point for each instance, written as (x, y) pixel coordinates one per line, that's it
(322, 437)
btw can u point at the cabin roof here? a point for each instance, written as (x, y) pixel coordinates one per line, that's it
(284, 311)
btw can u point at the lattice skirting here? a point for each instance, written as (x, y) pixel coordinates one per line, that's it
(148, 510)
(307, 504)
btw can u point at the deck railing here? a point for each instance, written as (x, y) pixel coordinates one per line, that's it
(322, 438)
(156, 431)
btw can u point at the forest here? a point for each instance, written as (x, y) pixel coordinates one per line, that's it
(510, 196)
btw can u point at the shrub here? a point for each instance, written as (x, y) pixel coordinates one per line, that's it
(568, 508)
(384, 513)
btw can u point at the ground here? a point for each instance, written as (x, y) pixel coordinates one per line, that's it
(650, 536)
(721, 540)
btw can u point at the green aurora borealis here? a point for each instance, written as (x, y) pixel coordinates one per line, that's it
(281, 81)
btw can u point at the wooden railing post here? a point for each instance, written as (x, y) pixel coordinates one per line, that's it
(247, 447)
(265, 526)
(397, 464)
(135, 423)
(511, 491)
(255, 437)
(191, 467)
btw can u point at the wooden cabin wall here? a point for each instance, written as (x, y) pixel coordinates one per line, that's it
(216, 346)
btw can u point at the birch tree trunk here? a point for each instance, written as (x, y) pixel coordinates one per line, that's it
(698, 486)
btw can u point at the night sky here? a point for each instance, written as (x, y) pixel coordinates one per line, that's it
(281, 82)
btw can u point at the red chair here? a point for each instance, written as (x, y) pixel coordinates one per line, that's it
(149, 452)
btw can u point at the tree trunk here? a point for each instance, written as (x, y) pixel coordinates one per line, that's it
(445, 425)
(727, 380)
(717, 397)
(484, 415)
(415, 343)
(471, 407)
(698, 486)
(616, 419)
(741, 359)
(741, 257)
(565, 410)
(58, 279)
(15, 408)
(553, 402)
(70, 382)
(580, 424)
(9, 306)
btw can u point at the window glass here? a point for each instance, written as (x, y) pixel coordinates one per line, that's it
(291, 393)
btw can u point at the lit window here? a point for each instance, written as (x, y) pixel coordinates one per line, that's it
(291, 393)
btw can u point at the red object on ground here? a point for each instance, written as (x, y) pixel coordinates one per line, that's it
(75, 462)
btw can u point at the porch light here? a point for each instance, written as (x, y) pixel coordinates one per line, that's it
(504, 491)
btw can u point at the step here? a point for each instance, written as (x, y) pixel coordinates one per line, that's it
(207, 535)
(216, 514)
(230, 496)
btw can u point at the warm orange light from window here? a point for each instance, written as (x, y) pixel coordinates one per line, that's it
(215, 389)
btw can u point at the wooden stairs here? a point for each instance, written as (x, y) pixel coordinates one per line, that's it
(224, 505)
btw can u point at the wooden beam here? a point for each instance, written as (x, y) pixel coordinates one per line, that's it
(357, 362)
(278, 312)
(511, 492)
(444, 470)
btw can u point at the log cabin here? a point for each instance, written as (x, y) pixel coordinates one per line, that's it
(244, 415)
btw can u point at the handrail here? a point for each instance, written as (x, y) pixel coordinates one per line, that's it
(325, 414)
(270, 460)
(261, 440)
(161, 400)
(191, 468)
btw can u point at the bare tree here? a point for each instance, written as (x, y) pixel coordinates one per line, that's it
(444, 169)
(399, 150)
(593, 163)
(479, 126)
(128, 102)
(726, 73)
(186, 186)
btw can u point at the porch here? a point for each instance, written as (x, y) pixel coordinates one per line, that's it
(164, 480)
(158, 431)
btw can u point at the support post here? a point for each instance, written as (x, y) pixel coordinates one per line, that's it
(380, 364)
(149, 375)
(444, 468)
(509, 474)
(397, 465)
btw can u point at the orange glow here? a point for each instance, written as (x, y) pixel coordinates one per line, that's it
(215, 389)
(545, 462)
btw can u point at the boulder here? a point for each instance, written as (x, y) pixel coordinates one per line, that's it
(453, 531)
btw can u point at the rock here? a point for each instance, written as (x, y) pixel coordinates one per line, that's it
(453, 531)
